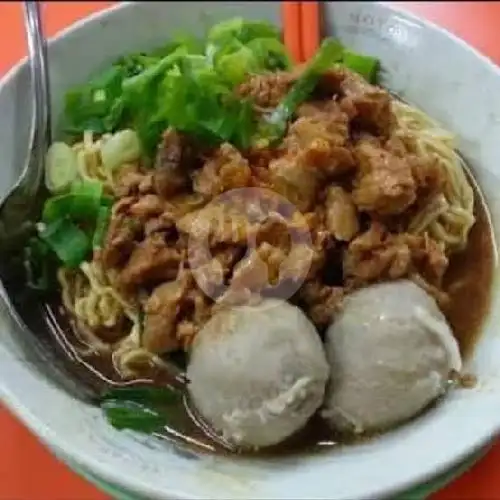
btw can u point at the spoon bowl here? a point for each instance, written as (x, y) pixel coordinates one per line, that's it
(19, 204)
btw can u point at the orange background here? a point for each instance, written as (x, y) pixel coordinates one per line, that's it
(27, 470)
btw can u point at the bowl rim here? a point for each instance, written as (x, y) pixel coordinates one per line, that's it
(62, 444)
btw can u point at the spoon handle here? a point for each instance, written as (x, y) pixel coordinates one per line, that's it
(40, 132)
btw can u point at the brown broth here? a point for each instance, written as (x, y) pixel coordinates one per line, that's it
(468, 281)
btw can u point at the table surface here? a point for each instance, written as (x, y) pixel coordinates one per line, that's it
(28, 471)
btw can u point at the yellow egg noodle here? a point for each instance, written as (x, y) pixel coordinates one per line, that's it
(449, 216)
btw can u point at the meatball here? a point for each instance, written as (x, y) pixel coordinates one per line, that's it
(391, 352)
(257, 373)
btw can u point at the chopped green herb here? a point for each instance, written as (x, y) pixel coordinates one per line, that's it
(129, 415)
(329, 53)
(186, 84)
(242, 30)
(57, 207)
(140, 409)
(271, 54)
(236, 65)
(366, 66)
(198, 102)
(101, 226)
(89, 107)
(192, 44)
(139, 83)
(69, 243)
(81, 204)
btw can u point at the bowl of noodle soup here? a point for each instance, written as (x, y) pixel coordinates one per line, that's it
(381, 185)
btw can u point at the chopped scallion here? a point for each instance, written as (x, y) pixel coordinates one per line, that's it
(69, 242)
(329, 53)
(81, 204)
(128, 415)
(366, 66)
(140, 409)
(101, 226)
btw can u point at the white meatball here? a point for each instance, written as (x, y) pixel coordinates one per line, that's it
(257, 374)
(391, 352)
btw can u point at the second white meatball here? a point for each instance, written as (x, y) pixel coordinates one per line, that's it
(391, 352)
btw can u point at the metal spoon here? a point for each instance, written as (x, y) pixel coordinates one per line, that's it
(18, 213)
(20, 202)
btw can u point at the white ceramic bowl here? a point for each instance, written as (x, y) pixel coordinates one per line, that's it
(427, 66)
